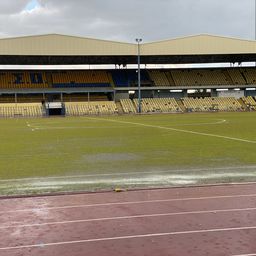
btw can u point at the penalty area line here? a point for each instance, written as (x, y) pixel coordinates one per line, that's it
(30, 127)
(178, 130)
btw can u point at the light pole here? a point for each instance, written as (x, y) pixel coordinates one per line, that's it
(255, 23)
(254, 3)
(139, 40)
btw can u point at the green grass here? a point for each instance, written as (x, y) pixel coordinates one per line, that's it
(139, 145)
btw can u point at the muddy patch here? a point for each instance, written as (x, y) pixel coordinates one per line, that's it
(109, 157)
(129, 180)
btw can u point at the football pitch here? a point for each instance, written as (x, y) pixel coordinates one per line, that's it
(93, 153)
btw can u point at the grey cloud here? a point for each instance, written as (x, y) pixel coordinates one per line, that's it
(12, 7)
(125, 20)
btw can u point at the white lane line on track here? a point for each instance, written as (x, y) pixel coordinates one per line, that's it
(177, 130)
(129, 217)
(130, 173)
(250, 254)
(127, 203)
(176, 233)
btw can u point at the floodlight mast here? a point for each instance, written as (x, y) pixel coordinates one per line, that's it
(255, 20)
(139, 40)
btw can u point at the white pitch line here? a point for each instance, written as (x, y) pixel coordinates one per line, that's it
(221, 121)
(126, 173)
(178, 130)
(175, 233)
(73, 127)
(45, 127)
(128, 217)
(127, 203)
(29, 126)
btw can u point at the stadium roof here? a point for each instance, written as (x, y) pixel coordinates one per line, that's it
(61, 45)
(61, 49)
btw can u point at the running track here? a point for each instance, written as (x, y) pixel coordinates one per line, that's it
(218, 220)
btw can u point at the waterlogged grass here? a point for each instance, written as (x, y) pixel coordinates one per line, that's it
(153, 150)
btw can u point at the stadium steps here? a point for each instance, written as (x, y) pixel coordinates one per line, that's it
(44, 110)
(243, 104)
(128, 106)
(244, 76)
(111, 81)
(49, 78)
(119, 107)
(228, 77)
(170, 78)
(180, 103)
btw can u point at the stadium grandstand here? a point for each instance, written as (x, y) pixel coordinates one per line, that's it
(114, 90)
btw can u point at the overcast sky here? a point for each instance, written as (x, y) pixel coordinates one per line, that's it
(124, 20)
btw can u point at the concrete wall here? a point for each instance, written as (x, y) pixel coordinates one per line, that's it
(231, 93)
(121, 95)
(161, 94)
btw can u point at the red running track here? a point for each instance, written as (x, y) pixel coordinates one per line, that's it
(217, 220)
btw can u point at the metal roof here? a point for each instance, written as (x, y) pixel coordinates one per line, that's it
(61, 45)
(200, 45)
(61, 49)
